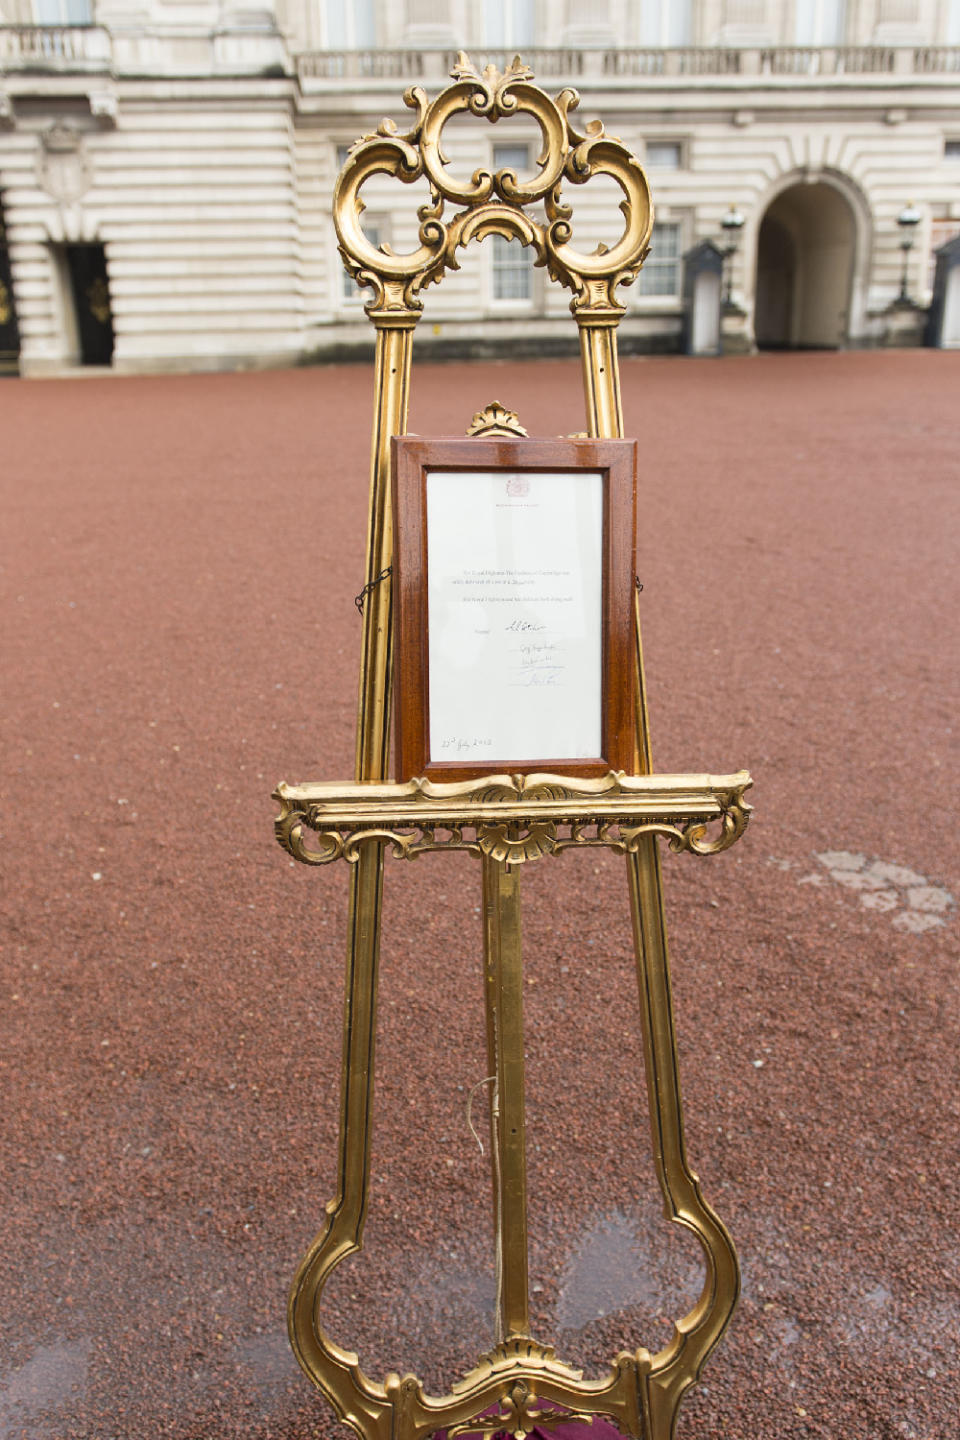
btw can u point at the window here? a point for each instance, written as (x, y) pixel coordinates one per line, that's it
(951, 150)
(511, 157)
(952, 33)
(512, 263)
(819, 22)
(63, 12)
(661, 269)
(349, 25)
(508, 22)
(351, 290)
(665, 22)
(376, 229)
(664, 154)
(512, 270)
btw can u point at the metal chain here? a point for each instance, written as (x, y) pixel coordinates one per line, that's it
(358, 600)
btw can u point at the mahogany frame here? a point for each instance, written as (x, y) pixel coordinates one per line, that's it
(413, 457)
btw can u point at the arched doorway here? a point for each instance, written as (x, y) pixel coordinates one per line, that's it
(805, 258)
(9, 330)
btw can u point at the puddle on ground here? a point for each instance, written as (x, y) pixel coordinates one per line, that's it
(54, 1377)
(268, 1358)
(617, 1265)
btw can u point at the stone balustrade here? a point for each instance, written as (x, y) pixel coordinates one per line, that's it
(55, 47)
(90, 48)
(794, 62)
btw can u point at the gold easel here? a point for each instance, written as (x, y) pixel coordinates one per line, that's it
(507, 820)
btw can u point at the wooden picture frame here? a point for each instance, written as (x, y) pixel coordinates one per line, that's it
(513, 582)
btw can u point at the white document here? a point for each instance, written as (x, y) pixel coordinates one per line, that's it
(514, 606)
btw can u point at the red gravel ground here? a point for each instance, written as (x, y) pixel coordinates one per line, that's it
(180, 558)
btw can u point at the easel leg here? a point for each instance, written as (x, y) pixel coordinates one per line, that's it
(342, 1235)
(677, 1366)
(346, 1215)
(503, 988)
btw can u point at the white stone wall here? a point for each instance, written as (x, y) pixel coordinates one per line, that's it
(198, 142)
(877, 167)
(201, 219)
(591, 23)
(195, 199)
(743, 154)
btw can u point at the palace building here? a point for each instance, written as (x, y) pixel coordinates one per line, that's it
(167, 168)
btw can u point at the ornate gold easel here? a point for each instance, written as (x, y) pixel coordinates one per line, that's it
(507, 820)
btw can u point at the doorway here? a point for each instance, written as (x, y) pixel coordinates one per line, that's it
(705, 327)
(9, 329)
(805, 257)
(950, 328)
(90, 291)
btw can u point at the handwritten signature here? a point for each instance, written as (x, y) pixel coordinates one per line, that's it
(537, 675)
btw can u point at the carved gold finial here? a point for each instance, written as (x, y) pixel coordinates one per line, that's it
(495, 420)
(464, 69)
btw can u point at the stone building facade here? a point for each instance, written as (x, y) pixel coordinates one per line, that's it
(167, 166)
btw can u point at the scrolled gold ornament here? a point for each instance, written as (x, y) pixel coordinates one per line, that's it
(494, 203)
(512, 818)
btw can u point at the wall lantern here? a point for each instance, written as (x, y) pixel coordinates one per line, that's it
(732, 223)
(908, 220)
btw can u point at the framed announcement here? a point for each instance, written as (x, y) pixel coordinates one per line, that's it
(514, 564)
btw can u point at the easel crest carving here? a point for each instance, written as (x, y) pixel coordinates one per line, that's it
(508, 819)
(493, 202)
